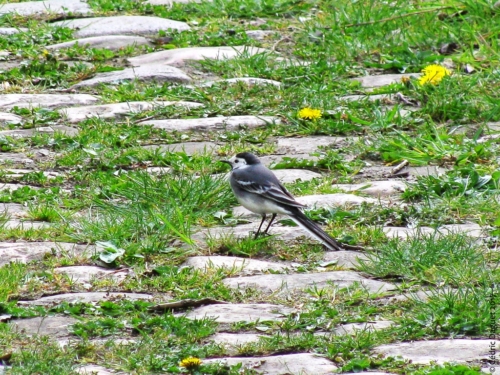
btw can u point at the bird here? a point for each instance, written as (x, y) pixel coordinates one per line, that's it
(258, 189)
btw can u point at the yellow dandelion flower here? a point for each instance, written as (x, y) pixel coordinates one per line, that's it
(309, 113)
(190, 362)
(45, 53)
(433, 74)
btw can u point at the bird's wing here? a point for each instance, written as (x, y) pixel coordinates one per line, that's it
(277, 193)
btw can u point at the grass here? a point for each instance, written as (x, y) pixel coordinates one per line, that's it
(99, 191)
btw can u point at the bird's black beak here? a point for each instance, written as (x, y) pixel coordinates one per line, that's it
(227, 162)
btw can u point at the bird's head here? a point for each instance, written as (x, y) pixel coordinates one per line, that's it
(242, 160)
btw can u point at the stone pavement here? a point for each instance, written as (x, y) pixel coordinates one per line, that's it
(267, 277)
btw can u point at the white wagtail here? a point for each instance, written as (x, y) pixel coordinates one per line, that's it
(259, 190)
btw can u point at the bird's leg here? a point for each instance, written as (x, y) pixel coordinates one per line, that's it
(260, 226)
(270, 222)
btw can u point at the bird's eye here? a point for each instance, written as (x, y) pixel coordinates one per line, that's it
(236, 161)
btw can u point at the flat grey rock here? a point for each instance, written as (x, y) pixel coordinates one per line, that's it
(345, 258)
(86, 298)
(245, 80)
(289, 176)
(15, 158)
(353, 328)
(233, 313)
(14, 187)
(180, 56)
(28, 133)
(471, 230)
(383, 80)
(11, 30)
(440, 351)
(121, 25)
(9, 101)
(13, 210)
(111, 42)
(307, 145)
(239, 265)
(230, 123)
(53, 326)
(25, 224)
(19, 173)
(146, 73)
(427, 171)
(296, 282)
(10, 118)
(85, 274)
(30, 8)
(375, 188)
(302, 363)
(28, 251)
(190, 148)
(287, 234)
(118, 110)
(288, 159)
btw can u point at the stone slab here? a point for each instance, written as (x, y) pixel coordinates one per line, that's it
(240, 265)
(9, 101)
(28, 251)
(306, 145)
(375, 188)
(231, 123)
(353, 328)
(233, 341)
(471, 230)
(86, 298)
(111, 42)
(289, 176)
(25, 224)
(233, 313)
(296, 282)
(28, 133)
(440, 351)
(15, 158)
(383, 80)
(85, 274)
(96, 370)
(179, 56)
(146, 73)
(121, 25)
(30, 8)
(12, 30)
(14, 187)
(302, 363)
(345, 258)
(10, 118)
(53, 326)
(371, 98)
(13, 210)
(118, 110)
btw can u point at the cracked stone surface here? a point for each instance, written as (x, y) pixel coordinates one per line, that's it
(111, 42)
(233, 341)
(376, 188)
(53, 326)
(86, 298)
(246, 80)
(349, 329)
(85, 274)
(96, 370)
(307, 145)
(295, 282)
(240, 265)
(244, 312)
(28, 251)
(383, 80)
(303, 363)
(8, 101)
(14, 158)
(189, 148)
(345, 259)
(179, 56)
(146, 73)
(10, 118)
(11, 30)
(441, 351)
(230, 123)
(27, 133)
(118, 110)
(62, 7)
(120, 25)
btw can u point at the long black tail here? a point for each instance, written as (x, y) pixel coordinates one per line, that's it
(304, 222)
